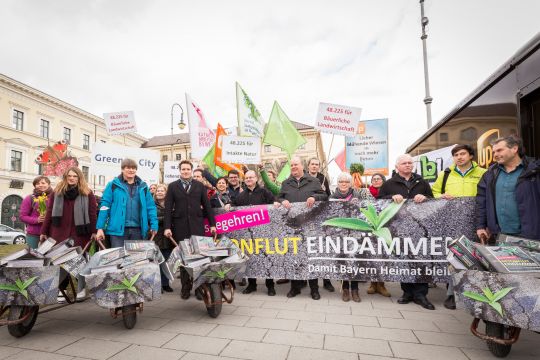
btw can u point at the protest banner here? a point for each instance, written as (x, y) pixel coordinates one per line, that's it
(241, 149)
(201, 136)
(106, 160)
(337, 119)
(369, 146)
(119, 123)
(430, 164)
(250, 122)
(310, 243)
(171, 171)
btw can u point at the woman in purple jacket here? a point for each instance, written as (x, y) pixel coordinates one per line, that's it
(29, 212)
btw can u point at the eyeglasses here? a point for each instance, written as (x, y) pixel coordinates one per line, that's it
(344, 182)
(376, 179)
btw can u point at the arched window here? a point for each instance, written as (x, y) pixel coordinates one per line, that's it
(469, 134)
(10, 211)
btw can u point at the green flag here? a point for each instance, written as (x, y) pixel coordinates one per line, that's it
(281, 132)
(212, 167)
(284, 173)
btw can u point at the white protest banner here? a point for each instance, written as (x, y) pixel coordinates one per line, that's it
(430, 164)
(201, 137)
(119, 123)
(369, 147)
(241, 149)
(106, 160)
(337, 119)
(171, 171)
(250, 122)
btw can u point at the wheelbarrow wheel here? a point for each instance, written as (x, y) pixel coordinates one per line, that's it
(17, 312)
(214, 309)
(129, 315)
(499, 331)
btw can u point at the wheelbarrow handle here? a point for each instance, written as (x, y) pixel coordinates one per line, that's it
(100, 244)
(173, 241)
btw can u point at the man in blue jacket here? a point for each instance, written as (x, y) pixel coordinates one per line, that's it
(508, 197)
(127, 210)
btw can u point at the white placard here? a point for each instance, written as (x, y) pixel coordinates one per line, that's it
(171, 171)
(338, 119)
(106, 160)
(430, 164)
(241, 149)
(119, 123)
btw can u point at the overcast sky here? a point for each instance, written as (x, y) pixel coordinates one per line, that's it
(107, 56)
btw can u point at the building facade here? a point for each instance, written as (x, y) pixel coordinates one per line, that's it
(30, 120)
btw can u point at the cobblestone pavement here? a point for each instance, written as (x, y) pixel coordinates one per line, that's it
(257, 326)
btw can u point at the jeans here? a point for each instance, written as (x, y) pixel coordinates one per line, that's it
(165, 280)
(32, 240)
(354, 284)
(130, 233)
(253, 282)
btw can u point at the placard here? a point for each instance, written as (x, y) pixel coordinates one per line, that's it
(369, 147)
(171, 171)
(337, 119)
(241, 149)
(430, 164)
(119, 123)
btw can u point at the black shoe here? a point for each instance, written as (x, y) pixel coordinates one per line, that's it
(243, 282)
(271, 291)
(315, 294)
(167, 288)
(450, 302)
(405, 299)
(424, 302)
(328, 286)
(293, 292)
(185, 294)
(249, 289)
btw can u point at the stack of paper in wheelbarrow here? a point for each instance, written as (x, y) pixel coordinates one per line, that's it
(508, 259)
(463, 255)
(25, 257)
(133, 253)
(531, 247)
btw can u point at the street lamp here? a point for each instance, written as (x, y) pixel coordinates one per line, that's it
(181, 124)
(428, 99)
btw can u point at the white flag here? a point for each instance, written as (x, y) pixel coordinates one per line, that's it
(250, 122)
(201, 135)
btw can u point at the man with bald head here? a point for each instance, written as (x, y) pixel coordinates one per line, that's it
(408, 185)
(300, 187)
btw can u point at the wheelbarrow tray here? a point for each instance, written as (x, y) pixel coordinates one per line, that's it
(217, 272)
(43, 290)
(108, 289)
(520, 307)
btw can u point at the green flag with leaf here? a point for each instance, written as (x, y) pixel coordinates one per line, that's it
(281, 132)
(212, 167)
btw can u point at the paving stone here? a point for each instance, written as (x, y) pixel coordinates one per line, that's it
(149, 323)
(255, 351)
(515, 353)
(284, 306)
(222, 319)
(327, 309)
(199, 344)
(375, 357)
(446, 339)
(364, 304)
(93, 349)
(294, 338)
(426, 352)
(183, 314)
(42, 341)
(408, 324)
(394, 314)
(301, 353)
(384, 334)
(308, 300)
(268, 323)
(33, 355)
(228, 309)
(325, 328)
(99, 331)
(252, 303)
(253, 311)
(145, 337)
(5, 338)
(196, 356)
(59, 326)
(238, 333)
(264, 297)
(454, 327)
(352, 319)
(140, 352)
(6, 351)
(301, 315)
(431, 316)
(188, 327)
(365, 346)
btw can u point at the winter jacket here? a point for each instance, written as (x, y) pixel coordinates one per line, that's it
(527, 197)
(161, 241)
(324, 183)
(29, 215)
(457, 185)
(112, 210)
(269, 184)
(299, 191)
(398, 186)
(257, 196)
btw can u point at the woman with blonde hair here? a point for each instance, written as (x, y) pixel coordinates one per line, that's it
(71, 210)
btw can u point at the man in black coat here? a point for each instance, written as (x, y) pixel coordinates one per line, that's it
(254, 195)
(407, 185)
(300, 187)
(186, 203)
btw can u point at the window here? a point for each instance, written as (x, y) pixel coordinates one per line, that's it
(18, 120)
(86, 142)
(443, 136)
(267, 148)
(178, 157)
(44, 129)
(67, 135)
(165, 158)
(190, 156)
(41, 169)
(85, 171)
(469, 134)
(302, 147)
(16, 160)
(101, 180)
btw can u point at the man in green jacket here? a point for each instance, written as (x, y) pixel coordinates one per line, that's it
(460, 179)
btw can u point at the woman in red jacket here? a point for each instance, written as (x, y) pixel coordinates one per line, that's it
(71, 211)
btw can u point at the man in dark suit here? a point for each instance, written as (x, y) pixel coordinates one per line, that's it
(186, 203)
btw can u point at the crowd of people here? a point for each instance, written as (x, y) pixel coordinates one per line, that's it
(507, 197)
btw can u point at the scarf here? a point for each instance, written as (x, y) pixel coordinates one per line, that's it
(224, 198)
(80, 210)
(374, 191)
(37, 193)
(341, 196)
